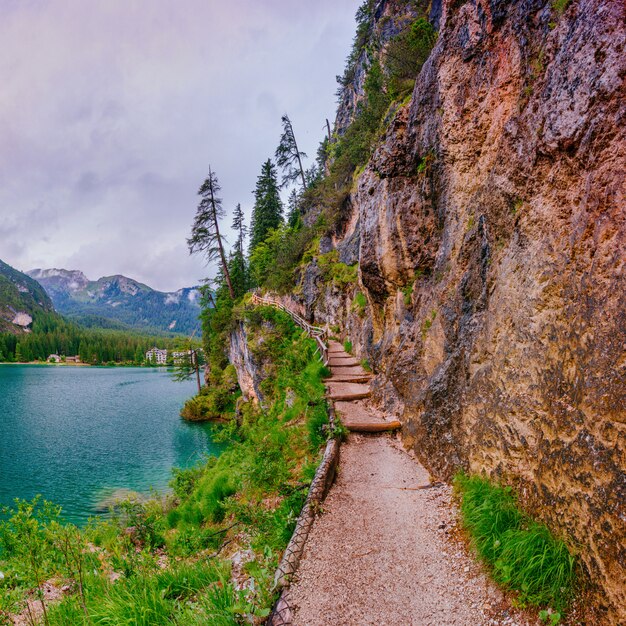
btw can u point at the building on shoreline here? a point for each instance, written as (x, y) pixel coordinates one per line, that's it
(157, 356)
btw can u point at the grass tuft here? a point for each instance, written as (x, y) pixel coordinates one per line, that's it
(522, 554)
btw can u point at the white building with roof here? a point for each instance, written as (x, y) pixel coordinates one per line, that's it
(157, 356)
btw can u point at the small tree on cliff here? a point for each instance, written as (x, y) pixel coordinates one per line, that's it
(267, 213)
(237, 261)
(205, 233)
(239, 226)
(293, 210)
(188, 361)
(288, 157)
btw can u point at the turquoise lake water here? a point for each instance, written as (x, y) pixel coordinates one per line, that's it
(77, 435)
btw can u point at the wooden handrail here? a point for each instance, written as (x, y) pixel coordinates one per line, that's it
(315, 332)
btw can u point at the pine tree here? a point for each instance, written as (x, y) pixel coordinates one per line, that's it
(239, 226)
(205, 233)
(293, 209)
(238, 273)
(268, 207)
(237, 260)
(288, 157)
(188, 362)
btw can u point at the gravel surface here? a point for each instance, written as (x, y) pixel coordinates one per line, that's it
(384, 552)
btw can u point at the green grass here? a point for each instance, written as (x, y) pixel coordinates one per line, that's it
(333, 271)
(359, 303)
(407, 294)
(428, 322)
(148, 600)
(521, 553)
(347, 346)
(560, 5)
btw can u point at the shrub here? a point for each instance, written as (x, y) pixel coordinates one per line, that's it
(522, 554)
(560, 5)
(336, 272)
(216, 400)
(406, 54)
(359, 303)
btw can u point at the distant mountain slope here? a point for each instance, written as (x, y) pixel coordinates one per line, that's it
(21, 298)
(120, 299)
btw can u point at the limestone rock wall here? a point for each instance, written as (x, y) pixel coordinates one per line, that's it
(491, 229)
(250, 372)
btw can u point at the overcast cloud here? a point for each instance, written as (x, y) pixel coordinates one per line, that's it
(112, 110)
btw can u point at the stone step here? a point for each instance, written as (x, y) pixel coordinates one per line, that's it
(355, 370)
(347, 378)
(348, 391)
(357, 418)
(342, 361)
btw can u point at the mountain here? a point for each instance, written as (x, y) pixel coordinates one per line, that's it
(21, 299)
(112, 301)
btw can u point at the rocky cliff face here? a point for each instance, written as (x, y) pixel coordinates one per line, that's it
(490, 231)
(249, 371)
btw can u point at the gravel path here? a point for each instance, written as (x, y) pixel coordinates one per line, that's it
(382, 552)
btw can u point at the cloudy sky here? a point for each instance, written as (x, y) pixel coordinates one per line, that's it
(112, 110)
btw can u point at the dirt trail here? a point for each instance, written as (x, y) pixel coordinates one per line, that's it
(381, 553)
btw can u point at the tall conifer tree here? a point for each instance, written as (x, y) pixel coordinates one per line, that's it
(239, 226)
(237, 260)
(205, 233)
(288, 156)
(293, 209)
(268, 207)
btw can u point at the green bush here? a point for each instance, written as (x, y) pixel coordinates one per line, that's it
(406, 54)
(336, 272)
(359, 303)
(560, 5)
(522, 554)
(216, 400)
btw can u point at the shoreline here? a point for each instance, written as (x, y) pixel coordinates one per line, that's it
(84, 364)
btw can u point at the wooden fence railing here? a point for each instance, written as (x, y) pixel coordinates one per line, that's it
(317, 333)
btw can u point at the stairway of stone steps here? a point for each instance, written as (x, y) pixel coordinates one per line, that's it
(348, 387)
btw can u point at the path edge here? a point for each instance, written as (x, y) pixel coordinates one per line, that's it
(282, 614)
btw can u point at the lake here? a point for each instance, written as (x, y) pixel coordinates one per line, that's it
(77, 435)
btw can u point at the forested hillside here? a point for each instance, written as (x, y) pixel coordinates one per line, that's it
(120, 299)
(21, 299)
(52, 334)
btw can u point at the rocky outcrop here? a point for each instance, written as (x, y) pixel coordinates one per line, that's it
(491, 229)
(249, 371)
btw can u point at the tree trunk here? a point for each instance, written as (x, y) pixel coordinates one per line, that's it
(295, 144)
(219, 242)
(196, 363)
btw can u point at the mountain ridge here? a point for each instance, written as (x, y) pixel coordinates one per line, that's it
(120, 299)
